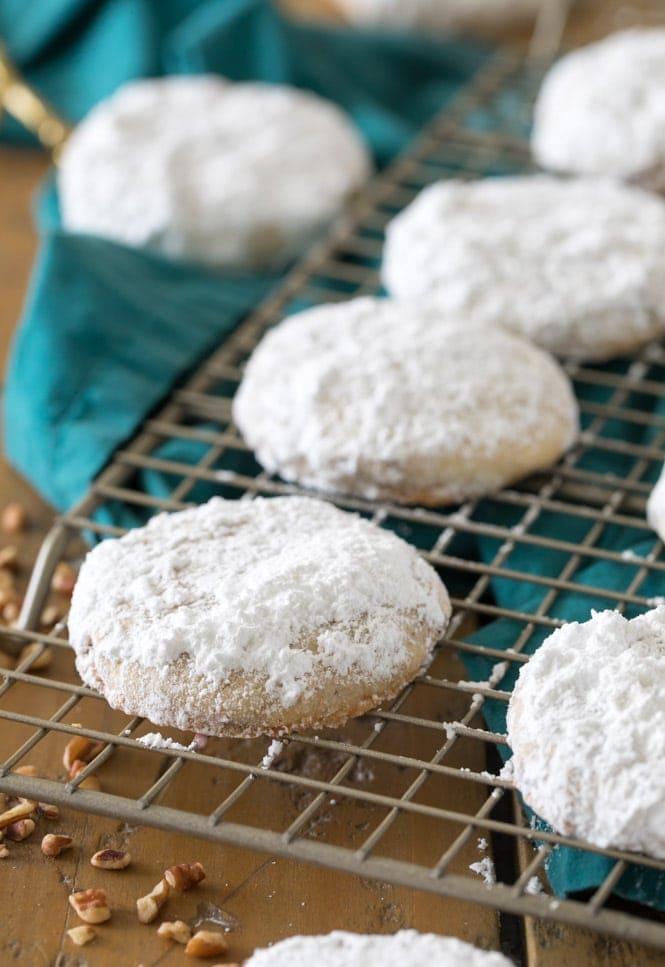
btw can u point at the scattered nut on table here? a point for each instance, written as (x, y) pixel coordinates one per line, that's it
(24, 808)
(64, 578)
(90, 782)
(91, 905)
(20, 830)
(82, 935)
(43, 655)
(4, 852)
(9, 557)
(48, 810)
(13, 519)
(207, 943)
(53, 844)
(176, 930)
(27, 770)
(111, 859)
(147, 907)
(184, 876)
(80, 748)
(50, 615)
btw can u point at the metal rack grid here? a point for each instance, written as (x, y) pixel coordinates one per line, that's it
(384, 773)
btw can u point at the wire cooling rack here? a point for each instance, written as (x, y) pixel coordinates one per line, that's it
(403, 794)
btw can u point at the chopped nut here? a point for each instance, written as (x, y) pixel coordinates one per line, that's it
(176, 930)
(10, 612)
(111, 859)
(91, 905)
(25, 807)
(207, 943)
(48, 810)
(64, 578)
(50, 616)
(13, 519)
(20, 830)
(80, 747)
(184, 876)
(9, 557)
(147, 907)
(42, 659)
(90, 782)
(27, 770)
(4, 852)
(54, 843)
(81, 935)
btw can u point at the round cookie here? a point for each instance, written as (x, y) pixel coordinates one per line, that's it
(254, 617)
(386, 400)
(406, 948)
(232, 175)
(601, 110)
(577, 266)
(586, 723)
(656, 506)
(437, 16)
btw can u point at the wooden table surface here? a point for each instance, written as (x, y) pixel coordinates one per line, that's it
(270, 898)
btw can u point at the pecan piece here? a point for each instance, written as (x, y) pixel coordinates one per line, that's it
(147, 907)
(184, 876)
(111, 859)
(54, 843)
(207, 943)
(91, 905)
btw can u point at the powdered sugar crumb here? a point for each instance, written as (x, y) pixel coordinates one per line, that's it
(274, 749)
(534, 886)
(484, 868)
(155, 740)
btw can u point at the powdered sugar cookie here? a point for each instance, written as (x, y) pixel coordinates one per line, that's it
(240, 175)
(252, 617)
(656, 506)
(577, 266)
(586, 723)
(386, 400)
(407, 948)
(437, 15)
(601, 110)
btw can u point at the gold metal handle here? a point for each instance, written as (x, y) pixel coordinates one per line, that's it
(31, 110)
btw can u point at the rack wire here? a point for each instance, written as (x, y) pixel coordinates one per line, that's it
(409, 785)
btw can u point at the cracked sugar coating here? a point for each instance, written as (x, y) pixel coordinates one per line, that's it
(577, 266)
(586, 723)
(437, 15)
(656, 506)
(601, 110)
(386, 400)
(251, 617)
(406, 948)
(232, 175)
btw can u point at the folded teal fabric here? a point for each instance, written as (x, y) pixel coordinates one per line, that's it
(107, 330)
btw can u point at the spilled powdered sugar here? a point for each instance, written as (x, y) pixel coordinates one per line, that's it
(576, 265)
(376, 397)
(237, 586)
(198, 167)
(406, 948)
(484, 868)
(155, 740)
(601, 109)
(274, 750)
(586, 723)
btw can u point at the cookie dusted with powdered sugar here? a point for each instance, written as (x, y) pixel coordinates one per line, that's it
(601, 110)
(387, 400)
(233, 175)
(254, 617)
(407, 948)
(577, 266)
(586, 723)
(437, 15)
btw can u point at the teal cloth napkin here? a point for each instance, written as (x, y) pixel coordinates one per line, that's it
(106, 330)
